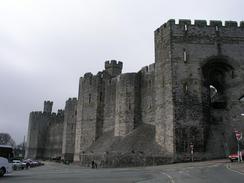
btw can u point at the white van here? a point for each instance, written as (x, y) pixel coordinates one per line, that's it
(6, 155)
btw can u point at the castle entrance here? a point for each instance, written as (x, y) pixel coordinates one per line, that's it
(217, 74)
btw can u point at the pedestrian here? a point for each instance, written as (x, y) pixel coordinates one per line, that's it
(93, 164)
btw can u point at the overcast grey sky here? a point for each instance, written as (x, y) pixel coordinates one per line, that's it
(46, 45)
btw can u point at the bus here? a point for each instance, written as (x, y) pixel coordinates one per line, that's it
(6, 156)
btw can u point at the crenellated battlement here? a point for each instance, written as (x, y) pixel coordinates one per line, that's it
(187, 24)
(41, 114)
(60, 112)
(71, 101)
(74, 99)
(38, 114)
(88, 75)
(113, 67)
(204, 23)
(148, 69)
(113, 63)
(48, 105)
(91, 79)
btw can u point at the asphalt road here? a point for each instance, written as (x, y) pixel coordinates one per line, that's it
(200, 172)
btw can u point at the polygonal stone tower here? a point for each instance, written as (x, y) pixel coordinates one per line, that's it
(198, 83)
(113, 68)
(48, 105)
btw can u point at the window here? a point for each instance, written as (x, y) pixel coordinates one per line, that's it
(101, 96)
(186, 27)
(184, 55)
(185, 88)
(89, 100)
(216, 28)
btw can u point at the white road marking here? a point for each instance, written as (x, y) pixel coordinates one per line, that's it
(229, 168)
(171, 179)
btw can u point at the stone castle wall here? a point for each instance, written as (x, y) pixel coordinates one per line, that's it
(54, 139)
(45, 133)
(147, 90)
(68, 141)
(173, 96)
(109, 104)
(127, 104)
(38, 126)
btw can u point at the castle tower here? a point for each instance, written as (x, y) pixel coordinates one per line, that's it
(48, 105)
(69, 130)
(191, 58)
(127, 104)
(113, 68)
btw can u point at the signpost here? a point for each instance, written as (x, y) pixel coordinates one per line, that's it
(238, 138)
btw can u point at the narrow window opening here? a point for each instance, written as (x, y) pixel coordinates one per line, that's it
(216, 28)
(150, 106)
(129, 104)
(186, 27)
(90, 81)
(213, 93)
(185, 88)
(101, 95)
(184, 55)
(89, 100)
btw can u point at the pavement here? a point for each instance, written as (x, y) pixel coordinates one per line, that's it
(218, 171)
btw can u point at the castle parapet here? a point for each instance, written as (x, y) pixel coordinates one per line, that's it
(71, 100)
(113, 67)
(48, 106)
(88, 75)
(148, 69)
(113, 63)
(185, 23)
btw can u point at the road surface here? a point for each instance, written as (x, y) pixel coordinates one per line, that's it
(199, 172)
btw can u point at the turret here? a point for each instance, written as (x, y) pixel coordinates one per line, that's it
(48, 105)
(113, 68)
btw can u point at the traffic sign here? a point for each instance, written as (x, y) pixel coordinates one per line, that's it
(238, 135)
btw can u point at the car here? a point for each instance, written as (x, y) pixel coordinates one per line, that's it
(32, 163)
(234, 156)
(29, 163)
(18, 165)
(5, 166)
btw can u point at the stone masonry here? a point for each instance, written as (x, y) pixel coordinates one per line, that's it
(192, 95)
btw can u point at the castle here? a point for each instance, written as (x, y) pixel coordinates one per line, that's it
(189, 100)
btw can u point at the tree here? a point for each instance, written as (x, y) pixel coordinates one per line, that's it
(5, 139)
